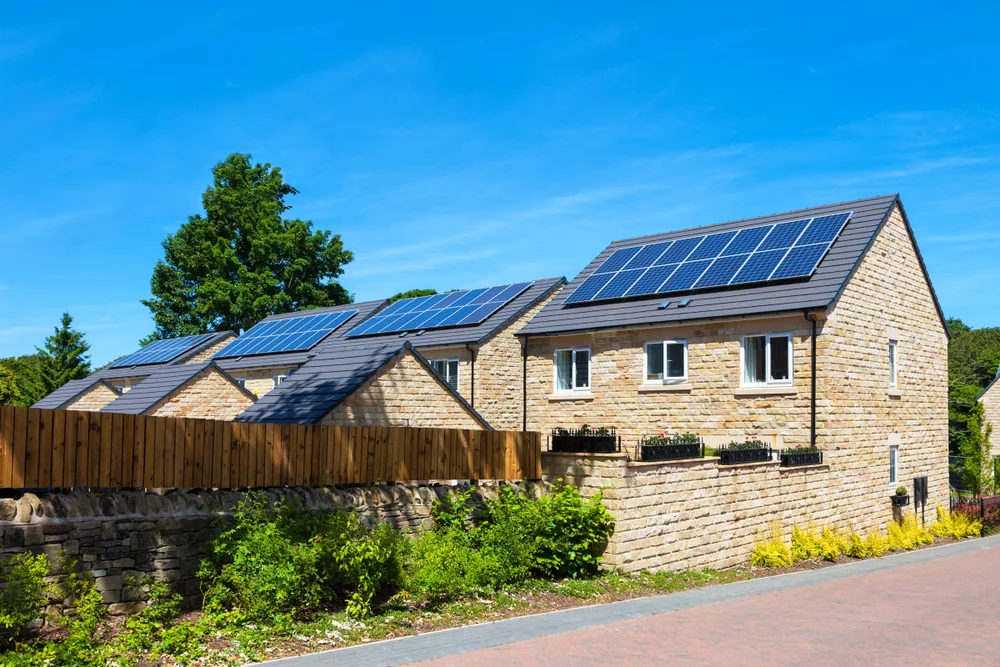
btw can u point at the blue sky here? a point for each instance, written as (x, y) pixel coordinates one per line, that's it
(455, 145)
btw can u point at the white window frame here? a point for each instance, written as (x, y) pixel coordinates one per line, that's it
(242, 382)
(893, 364)
(555, 370)
(893, 465)
(447, 362)
(767, 360)
(278, 379)
(665, 380)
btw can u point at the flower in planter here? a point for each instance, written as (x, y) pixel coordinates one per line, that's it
(747, 444)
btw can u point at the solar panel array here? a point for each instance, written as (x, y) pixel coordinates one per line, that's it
(440, 310)
(288, 334)
(161, 351)
(738, 257)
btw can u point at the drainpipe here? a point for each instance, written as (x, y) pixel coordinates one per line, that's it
(524, 384)
(811, 317)
(472, 394)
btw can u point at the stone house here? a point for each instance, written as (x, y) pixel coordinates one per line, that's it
(990, 398)
(847, 350)
(366, 383)
(192, 390)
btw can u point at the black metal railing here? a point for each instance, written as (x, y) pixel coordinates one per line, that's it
(791, 458)
(729, 456)
(983, 508)
(669, 449)
(585, 441)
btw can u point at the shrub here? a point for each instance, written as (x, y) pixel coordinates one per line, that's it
(22, 589)
(770, 549)
(876, 544)
(570, 533)
(955, 524)
(747, 444)
(664, 439)
(273, 562)
(907, 534)
(901, 491)
(832, 543)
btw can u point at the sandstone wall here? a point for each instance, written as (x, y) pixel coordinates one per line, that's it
(261, 380)
(210, 351)
(209, 396)
(404, 392)
(991, 410)
(93, 399)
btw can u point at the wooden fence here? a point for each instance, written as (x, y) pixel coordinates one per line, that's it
(42, 449)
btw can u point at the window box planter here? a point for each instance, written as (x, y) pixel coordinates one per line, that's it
(751, 451)
(585, 440)
(900, 500)
(803, 456)
(671, 448)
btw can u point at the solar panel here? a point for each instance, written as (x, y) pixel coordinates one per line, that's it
(287, 334)
(764, 253)
(454, 308)
(161, 351)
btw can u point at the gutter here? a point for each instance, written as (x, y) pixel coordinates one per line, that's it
(524, 384)
(472, 353)
(811, 317)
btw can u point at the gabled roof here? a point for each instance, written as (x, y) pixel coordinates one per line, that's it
(162, 383)
(145, 369)
(71, 391)
(309, 394)
(480, 333)
(981, 394)
(819, 291)
(286, 359)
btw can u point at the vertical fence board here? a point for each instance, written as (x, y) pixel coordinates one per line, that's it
(217, 438)
(167, 445)
(45, 421)
(138, 450)
(260, 436)
(31, 451)
(128, 442)
(69, 450)
(116, 445)
(307, 454)
(6, 446)
(94, 449)
(201, 445)
(58, 448)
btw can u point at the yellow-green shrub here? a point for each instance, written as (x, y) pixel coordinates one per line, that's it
(832, 543)
(907, 534)
(805, 544)
(876, 544)
(955, 524)
(770, 549)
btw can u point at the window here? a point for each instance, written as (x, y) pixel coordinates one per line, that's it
(278, 379)
(892, 364)
(666, 361)
(767, 360)
(893, 460)
(447, 369)
(242, 382)
(573, 369)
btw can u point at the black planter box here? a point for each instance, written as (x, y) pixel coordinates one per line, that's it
(731, 457)
(672, 452)
(795, 459)
(585, 444)
(900, 501)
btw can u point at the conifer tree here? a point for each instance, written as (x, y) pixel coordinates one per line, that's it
(63, 357)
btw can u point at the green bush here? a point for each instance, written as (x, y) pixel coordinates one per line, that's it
(22, 589)
(770, 549)
(955, 524)
(272, 562)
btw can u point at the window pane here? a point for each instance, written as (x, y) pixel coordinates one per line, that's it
(892, 363)
(675, 360)
(779, 358)
(892, 464)
(754, 360)
(654, 361)
(582, 369)
(453, 374)
(564, 369)
(439, 367)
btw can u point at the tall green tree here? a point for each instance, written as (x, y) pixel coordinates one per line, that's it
(242, 261)
(63, 357)
(10, 392)
(411, 293)
(24, 371)
(977, 467)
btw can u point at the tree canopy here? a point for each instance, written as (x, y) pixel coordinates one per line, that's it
(242, 261)
(63, 357)
(973, 358)
(23, 372)
(409, 294)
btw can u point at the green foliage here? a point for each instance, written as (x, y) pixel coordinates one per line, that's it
(22, 589)
(10, 390)
(973, 358)
(907, 534)
(664, 439)
(63, 357)
(832, 543)
(901, 491)
(802, 449)
(747, 444)
(23, 372)
(770, 549)
(586, 431)
(978, 465)
(517, 536)
(275, 562)
(242, 261)
(955, 524)
(412, 293)
(805, 543)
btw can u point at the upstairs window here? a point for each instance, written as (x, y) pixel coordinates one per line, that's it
(666, 362)
(278, 379)
(892, 364)
(242, 382)
(767, 360)
(573, 369)
(893, 461)
(447, 370)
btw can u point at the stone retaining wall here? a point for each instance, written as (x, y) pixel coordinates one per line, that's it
(163, 536)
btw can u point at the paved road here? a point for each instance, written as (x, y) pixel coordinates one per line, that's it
(933, 607)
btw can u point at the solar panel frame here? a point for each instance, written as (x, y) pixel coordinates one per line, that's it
(161, 351)
(726, 259)
(288, 334)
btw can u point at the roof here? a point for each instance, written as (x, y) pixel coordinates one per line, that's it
(70, 391)
(309, 394)
(819, 291)
(283, 359)
(160, 384)
(480, 333)
(981, 394)
(135, 370)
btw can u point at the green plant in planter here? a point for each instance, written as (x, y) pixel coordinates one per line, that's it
(584, 430)
(802, 449)
(901, 491)
(747, 444)
(664, 439)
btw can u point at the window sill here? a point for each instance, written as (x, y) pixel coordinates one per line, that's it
(655, 388)
(574, 396)
(895, 393)
(767, 391)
